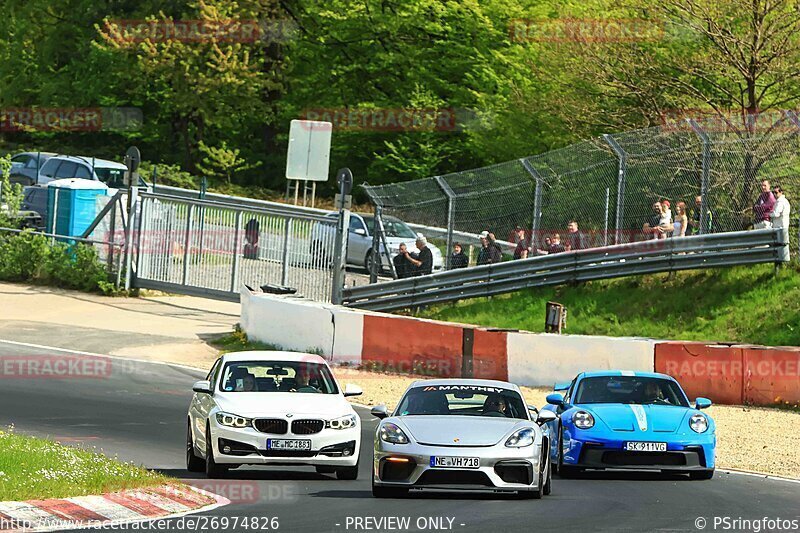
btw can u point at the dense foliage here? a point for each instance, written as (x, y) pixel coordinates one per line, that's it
(518, 76)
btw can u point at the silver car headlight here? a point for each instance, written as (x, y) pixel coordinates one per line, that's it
(344, 422)
(392, 434)
(698, 423)
(233, 421)
(583, 420)
(521, 438)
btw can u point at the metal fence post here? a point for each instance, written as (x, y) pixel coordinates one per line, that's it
(340, 256)
(133, 201)
(622, 170)
(376, 241)
(287, 236)
(706, 171)
(451, 212)
(382, 234)
(605, 226)
(537, 199)
(237, 243)
(186, 243)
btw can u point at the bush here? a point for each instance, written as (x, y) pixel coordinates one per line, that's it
(29, 257)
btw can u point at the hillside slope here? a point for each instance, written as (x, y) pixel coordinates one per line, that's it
(742, 304)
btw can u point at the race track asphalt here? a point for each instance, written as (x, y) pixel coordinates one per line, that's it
(137, 411)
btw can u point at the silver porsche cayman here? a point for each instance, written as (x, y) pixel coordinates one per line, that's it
(461, 434)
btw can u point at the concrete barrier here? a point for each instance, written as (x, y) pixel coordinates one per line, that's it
(709, 370)
(544, 359)
(771, 375)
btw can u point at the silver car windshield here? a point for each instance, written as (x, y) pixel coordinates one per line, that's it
(630, 390)
(463, 400)
(277, 376)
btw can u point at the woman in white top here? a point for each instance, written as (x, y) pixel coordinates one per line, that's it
(780, 218)
(681, 220)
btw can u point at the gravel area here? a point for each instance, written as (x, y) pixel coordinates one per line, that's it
(748, 438)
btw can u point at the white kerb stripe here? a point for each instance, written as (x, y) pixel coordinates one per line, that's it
(641, 417)
(161, 502)
(105, 507)
(22, 511)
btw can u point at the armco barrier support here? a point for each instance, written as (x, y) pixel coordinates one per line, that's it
(709, 370)
(545, 359)
(771, 375)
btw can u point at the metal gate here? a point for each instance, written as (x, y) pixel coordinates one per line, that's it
(209, 248)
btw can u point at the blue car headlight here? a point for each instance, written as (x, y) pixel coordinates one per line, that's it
(392, 434)
(699, 423)
(233, 421)
(521, 438)
(583, 420)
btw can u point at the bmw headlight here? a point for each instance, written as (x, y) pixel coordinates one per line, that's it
(392, 434)
(521, 438)
(344, 422)
(583, 420)
(698, 423)
(234, 421)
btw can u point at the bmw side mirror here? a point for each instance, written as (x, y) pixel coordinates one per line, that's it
(702, 403)
(203, 387)
(555, 399)
(545, 417)
(379, 411)
(352, 390)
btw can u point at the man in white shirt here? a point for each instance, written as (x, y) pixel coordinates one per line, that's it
(780, 218)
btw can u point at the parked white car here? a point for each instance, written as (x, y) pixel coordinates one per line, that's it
(359, 243)
(265, 407)
(90, 168)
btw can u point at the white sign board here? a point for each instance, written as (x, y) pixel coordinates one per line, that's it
(309, 152)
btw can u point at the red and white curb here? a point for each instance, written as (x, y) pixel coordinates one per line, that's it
(138, 505)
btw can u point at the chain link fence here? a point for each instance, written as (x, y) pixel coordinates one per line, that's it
(608, 185)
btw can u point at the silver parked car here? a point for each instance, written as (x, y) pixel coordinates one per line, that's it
(25, 166)
(359, 240)
(462, 434)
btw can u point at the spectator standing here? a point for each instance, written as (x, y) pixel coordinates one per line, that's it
(763, 207)
(665, 221)
(403, 266)
(423, 263)
(652, 228)
(458, 259)
(694, 222)
(495, 253)
(483, 254)
(575, 238)
(553, 245)
(523, 246)
(681, 220)
(780, 218)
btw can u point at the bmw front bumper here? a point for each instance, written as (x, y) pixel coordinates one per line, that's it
(329, 447)
(501, 469)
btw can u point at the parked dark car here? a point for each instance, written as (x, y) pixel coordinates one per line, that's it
(34, 200)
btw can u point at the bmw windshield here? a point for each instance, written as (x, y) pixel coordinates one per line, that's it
(277, 376)
(463, 400)
(629, 390)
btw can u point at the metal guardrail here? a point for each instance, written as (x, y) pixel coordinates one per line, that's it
(644, 257)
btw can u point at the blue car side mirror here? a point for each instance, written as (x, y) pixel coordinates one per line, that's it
(555, 399)
(702, 403)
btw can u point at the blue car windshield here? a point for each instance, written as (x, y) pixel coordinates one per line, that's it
(629, 390)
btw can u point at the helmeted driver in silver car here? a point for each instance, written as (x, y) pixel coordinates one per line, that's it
(458, 434)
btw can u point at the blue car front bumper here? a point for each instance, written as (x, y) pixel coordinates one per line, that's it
(596, 451)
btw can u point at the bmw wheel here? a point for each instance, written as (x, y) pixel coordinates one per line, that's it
(348, 473)
(193, 462)
(213, 470)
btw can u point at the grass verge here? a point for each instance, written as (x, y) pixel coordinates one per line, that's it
(741, 304)
(33, 468)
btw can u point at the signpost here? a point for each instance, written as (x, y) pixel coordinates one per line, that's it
(344, 178)
(308, 156)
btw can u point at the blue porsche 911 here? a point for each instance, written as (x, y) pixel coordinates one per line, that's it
(630, 420)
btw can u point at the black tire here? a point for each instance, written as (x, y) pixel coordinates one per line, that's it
(388, 492)
(701, 475)
(213, 470)
(325, 469)
(368, 261)
(193, 462)
(548, 482)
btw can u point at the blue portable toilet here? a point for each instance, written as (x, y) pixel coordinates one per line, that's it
(72, 205)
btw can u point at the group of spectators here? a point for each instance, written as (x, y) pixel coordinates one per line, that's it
(409, 264)
(772, 210)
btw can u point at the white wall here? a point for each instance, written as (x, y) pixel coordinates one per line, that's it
(544, 359)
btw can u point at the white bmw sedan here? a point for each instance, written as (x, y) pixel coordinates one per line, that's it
(272, 408)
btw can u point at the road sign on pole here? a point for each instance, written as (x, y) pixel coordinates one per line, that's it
(308, 157)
